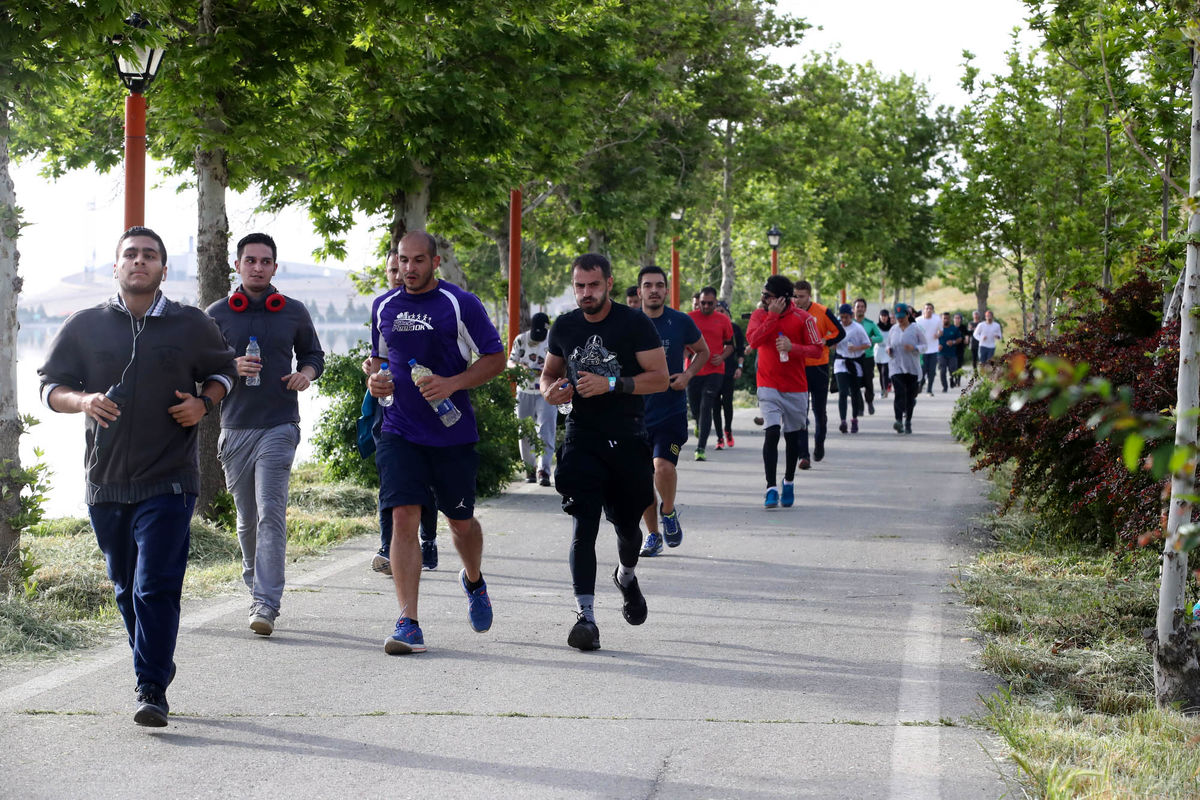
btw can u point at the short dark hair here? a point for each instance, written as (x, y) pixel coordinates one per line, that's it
(139, 230)
(590, 261)
(862, 300)
(708, 290)
(801, 285)
(651, 269)
(257, 238)
(430, 242)
(779, 285)
(631, 291)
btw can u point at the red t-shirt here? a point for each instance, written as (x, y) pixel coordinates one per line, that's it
(716, 330)
(801, 328)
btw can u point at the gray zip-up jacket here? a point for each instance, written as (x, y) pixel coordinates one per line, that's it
(280, 334)
(174, 347)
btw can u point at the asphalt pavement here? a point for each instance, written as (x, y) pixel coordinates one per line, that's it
(820, 651)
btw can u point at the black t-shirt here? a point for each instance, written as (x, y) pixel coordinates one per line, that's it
(607, 348)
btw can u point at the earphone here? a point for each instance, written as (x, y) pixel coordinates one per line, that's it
(239, 301)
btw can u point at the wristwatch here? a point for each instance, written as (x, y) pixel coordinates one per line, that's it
(612, 384)
(208, 403)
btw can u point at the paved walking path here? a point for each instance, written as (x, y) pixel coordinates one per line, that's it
(817, 652)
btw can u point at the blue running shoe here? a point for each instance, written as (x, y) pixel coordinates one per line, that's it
(653, 545)
(429, 554)
(772, 498)
(479, 605)
(407, 639)
(672, 530)
(789, 494)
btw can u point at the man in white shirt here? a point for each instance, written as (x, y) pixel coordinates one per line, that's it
(931, 327)
(988, 334)
(529, 354)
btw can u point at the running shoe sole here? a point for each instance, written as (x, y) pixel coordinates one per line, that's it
(584, 636)
(381, 564)
(394, 647)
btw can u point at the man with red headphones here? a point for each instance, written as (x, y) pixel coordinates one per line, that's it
(260, 419)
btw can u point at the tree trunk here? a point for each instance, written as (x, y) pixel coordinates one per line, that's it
(982, 286)
(450, 268)
(212, 275)
(11, 482)
(1019, 266)
(728, 268)
(597, 241)
(1106, 277)
(1176, 666)
(651, 249)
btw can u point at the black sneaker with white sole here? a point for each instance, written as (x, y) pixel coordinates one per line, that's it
(584, 634)
(634, 607)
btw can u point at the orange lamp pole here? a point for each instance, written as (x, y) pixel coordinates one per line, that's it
(135, 159)
(841, 270)
(774, 261)
(675, 273)
(514, 265)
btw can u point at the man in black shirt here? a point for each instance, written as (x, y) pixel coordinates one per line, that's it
(600, 357)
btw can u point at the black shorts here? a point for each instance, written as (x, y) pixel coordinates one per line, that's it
(668, 437)
(421, 475)
(613, 475)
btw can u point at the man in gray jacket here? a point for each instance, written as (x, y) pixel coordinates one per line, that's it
(260, 421)
(131, 365)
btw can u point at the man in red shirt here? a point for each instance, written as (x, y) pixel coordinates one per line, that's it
(717, 331)
(785, 338)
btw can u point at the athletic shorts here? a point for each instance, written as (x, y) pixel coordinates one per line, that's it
(420, 475)
(786, 409)
(613, 475)
(668, 437)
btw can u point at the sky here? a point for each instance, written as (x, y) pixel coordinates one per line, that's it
(74, 221)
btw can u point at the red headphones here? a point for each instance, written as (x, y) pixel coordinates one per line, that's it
(239, 301)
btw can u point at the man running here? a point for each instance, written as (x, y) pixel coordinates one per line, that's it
(666, 411)
(718, 335)
(785, 337)
(817, 368)
(601, 356)
(437, 325)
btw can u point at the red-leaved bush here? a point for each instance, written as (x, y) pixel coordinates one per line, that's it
(1061, 471)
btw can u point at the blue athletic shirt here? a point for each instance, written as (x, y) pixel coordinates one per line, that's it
(440, 329)
(677, 330)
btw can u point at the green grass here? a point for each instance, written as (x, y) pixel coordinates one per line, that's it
(67, 601)
(1062, 624)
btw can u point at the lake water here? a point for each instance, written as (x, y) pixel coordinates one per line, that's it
(60, 436)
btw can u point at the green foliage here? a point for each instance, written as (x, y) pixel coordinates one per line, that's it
(335, 437)
(974, 407)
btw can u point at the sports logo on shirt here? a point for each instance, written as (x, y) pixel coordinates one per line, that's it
(408, 321)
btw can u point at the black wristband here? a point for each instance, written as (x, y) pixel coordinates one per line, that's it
(208, 403)
(625, 385)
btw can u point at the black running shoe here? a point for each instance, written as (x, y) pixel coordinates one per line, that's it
(152, 706)
(584, 634)
(634, 607)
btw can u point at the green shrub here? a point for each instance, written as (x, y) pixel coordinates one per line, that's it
(336, 434)
(973, 408)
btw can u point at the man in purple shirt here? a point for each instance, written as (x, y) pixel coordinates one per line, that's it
(438, 325)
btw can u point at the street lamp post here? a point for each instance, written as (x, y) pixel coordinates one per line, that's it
(678, 217)
(136, 73)
(773, 237)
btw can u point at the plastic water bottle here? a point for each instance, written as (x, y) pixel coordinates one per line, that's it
(783, 354)
(564, 408)
(254, 351)
(386, 373)
(447, 412)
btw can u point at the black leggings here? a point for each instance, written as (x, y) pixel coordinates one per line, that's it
(724, 403)
(885, 381)
(848, 389)
(583, 551)
(907, 388)
(791, 454)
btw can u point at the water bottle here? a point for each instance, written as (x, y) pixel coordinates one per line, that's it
(783, 354)
(386, 373)
(447, 412)
(254, 351)
(564, 408)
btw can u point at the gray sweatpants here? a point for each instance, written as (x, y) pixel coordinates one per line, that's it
(545, 418)
(258, 465)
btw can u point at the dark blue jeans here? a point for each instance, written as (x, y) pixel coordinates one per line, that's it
(145, 546)
(928, 370)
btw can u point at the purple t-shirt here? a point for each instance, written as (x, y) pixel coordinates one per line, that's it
(440, 329)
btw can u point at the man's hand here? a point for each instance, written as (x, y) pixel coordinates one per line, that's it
(371, 365)
(588, 384)
(777, 305)
(737, 373)
(99, 407)
(296, 382)
(435, 388)
(717, 360)
(248, 365)
(559, 392)
(188, 411)
(783, 344)
(679, 381)
(379, 386)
